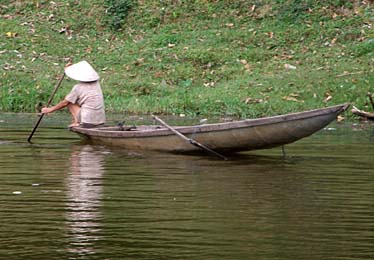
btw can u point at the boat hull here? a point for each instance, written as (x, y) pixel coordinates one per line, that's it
(236, 136)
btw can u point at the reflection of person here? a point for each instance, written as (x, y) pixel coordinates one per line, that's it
(84, 199)
(85, 101)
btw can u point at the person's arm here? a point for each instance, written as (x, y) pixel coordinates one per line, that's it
(62, 104)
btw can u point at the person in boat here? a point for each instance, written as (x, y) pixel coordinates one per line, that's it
(85, 101)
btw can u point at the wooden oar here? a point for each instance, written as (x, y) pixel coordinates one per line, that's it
(190, 140)
(49, 102)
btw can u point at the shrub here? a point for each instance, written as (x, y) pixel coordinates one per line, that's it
(117, 11)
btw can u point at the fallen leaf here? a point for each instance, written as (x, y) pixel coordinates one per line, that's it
(7, 66)
(327, 99)
(139, 61)
(11, 34)
(158, 74)
(291, 98)
(67, 31)
(137, 38)
(209, 84)
(250, 100)
(289, 67)
(8, 16)
(333, 41)
(63, 30)
(340, 118)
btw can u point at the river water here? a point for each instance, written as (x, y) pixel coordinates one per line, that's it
(63, 199)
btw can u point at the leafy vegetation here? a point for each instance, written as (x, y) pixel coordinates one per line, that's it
(117, 11)
(240, 58)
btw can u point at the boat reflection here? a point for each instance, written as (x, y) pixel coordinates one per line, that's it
(84, 191)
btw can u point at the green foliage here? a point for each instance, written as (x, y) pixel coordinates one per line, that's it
(117, 11)
(296, 10)
(193, 57)
(363, 48)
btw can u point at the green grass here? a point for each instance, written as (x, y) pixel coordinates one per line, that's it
(192, 57)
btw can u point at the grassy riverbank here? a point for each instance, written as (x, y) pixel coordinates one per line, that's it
(201, 57)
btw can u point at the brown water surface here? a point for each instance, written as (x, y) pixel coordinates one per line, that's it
(63, 199)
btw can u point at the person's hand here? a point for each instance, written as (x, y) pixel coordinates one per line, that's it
(46, 110)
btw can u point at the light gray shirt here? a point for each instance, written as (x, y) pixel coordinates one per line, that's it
(89, 97)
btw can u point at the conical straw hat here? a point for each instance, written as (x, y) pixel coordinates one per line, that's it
(82, 71)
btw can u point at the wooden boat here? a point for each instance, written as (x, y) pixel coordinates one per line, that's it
(244, 135)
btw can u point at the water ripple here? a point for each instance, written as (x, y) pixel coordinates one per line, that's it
(61, 199)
